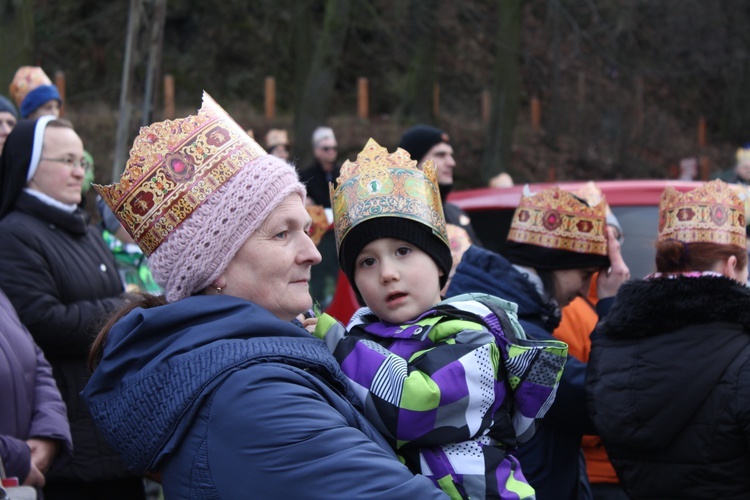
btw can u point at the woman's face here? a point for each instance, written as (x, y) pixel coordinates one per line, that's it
(51, 107)
(7, 122)
(272, 268)
(53, 176)
(571, 282)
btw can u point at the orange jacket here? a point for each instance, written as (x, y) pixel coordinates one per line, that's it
(578, 321)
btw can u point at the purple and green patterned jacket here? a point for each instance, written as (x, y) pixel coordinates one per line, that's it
(454, 391)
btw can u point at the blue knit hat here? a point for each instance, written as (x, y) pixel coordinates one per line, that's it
(7, 107)
(37, 97)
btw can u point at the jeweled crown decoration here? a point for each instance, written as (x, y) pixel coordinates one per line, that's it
(554, 218)
(380, 184)
(713, 213)
(174, 167)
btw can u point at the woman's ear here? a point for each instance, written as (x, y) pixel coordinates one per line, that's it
(728, 267)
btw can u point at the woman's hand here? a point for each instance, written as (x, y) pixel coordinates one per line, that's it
(609, 280)
(35, 478)
(43, 451)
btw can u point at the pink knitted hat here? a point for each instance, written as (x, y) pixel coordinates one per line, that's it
(199, 250)
(193, 192)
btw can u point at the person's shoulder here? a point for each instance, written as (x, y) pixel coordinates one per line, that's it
(310, 170)
(19, 224)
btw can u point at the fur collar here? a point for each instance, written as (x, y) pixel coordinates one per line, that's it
(653, 306)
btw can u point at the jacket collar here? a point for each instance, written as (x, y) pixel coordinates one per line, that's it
(76, 222)
(649, 307)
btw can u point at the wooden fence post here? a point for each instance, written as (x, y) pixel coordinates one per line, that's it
(270, 98)
(363, 99)
(581, 89)
(702, 132)
(60, 84)
(638, 105)
(168, 97)
(704, 167)
(536, 114)
(436, 100)
(486, 106)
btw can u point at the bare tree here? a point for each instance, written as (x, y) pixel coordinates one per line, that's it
(16, 37)
(317, 86)
(505, 91)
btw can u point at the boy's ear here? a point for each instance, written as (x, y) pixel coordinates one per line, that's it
(442, 273)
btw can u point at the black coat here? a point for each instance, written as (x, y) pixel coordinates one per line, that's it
(62, 281)
(669, 387)
(316, 180)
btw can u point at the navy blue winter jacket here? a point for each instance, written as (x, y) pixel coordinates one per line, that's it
(552, 459)
(227, 401)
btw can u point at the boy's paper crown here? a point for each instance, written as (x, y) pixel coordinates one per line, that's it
(380, 184)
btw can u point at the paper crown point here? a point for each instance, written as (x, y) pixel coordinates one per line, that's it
(379, 184)
(554, 218)
(26, 79)
(712, 213)
(174, 166)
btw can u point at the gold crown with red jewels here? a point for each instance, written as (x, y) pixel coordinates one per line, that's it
(380, 184)
(713, 213)
(174, 167)
(554, 218)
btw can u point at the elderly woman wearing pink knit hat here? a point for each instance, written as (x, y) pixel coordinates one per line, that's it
(216, 388)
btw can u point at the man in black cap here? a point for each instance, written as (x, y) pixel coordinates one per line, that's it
(423, 143)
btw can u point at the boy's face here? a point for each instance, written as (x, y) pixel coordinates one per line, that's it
(396, 279)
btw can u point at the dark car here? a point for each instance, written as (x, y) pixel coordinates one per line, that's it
(635, 203)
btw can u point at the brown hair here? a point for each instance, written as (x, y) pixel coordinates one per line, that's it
(60, 123)
(135, 300)
(674, 256)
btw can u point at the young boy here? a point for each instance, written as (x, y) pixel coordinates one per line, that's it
(453, 385)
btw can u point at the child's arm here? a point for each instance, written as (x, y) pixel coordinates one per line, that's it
(327, 328)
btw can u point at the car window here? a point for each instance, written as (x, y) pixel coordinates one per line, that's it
(640, 226)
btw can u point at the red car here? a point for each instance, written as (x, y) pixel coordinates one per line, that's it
(635, 203)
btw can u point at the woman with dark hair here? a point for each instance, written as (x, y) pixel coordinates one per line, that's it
(215, 386)
(555, 245)
(669, 373)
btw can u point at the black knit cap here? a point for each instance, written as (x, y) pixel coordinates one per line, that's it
(417, 141)
(550, 259)
(400, 228)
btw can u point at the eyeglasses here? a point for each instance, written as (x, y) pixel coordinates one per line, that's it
(72, 163)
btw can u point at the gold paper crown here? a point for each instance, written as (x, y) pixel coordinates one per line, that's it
(743, 155)
(556, 219)
(713, 213)
(379, 184)
(319, 224)
(26, 79)
(174, 167)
